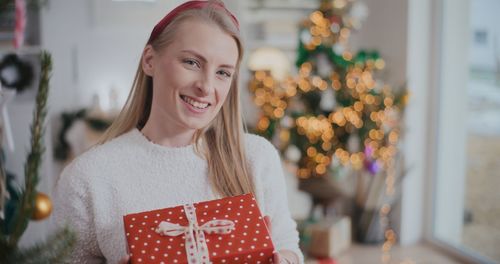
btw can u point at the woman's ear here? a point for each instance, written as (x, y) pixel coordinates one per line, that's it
(147, 60)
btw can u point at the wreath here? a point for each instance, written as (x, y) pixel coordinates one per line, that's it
(15, 73)
(63, 148)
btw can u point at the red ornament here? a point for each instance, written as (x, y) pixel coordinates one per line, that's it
(336, 20)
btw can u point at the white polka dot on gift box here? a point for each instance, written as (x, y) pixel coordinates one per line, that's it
(145, 244)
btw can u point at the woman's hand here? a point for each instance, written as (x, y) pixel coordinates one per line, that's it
(124, 260)
(282, 256)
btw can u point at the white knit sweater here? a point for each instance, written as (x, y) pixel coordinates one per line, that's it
(130, 174)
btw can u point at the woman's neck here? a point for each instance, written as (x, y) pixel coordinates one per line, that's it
(166, 137)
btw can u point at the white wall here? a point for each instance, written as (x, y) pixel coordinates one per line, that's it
(96, 48)
(385, 31)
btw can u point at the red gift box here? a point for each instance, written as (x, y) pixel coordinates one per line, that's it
(228, 230)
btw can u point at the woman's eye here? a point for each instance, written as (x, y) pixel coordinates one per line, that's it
(191, 62)
(224, 73)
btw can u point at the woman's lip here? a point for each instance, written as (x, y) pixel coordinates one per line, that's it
(195, 99)
(193, 109)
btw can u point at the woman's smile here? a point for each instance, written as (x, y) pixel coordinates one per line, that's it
(194, 105)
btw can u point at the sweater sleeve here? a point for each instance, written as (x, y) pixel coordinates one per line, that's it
(284, 228)
(73, 208)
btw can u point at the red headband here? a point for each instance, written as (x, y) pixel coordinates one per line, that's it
(183, 7)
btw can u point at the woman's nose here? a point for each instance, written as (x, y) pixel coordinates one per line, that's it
(204, 85)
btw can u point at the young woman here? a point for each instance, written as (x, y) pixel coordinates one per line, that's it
(179, 139)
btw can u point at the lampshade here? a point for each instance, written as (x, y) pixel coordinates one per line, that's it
(271, 59)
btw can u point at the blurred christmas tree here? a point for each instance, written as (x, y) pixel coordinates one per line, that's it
(335, 113)
(19, 206)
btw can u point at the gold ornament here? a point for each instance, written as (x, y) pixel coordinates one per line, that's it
(43, 207)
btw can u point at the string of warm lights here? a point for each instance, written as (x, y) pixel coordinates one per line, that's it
(274, 98)
(364, 106)
(390, 235)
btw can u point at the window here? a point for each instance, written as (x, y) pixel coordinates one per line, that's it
(466, 214)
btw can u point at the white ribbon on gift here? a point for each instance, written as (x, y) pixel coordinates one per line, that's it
(195, 242)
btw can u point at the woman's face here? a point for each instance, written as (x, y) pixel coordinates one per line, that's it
(192, 76)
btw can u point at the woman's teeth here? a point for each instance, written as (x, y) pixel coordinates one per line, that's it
(195, 103)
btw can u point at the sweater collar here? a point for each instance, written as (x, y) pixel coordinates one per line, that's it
(143, 140)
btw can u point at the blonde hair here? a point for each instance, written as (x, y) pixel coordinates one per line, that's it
(221, 142)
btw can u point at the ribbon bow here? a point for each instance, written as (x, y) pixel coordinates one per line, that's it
(196, 245)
